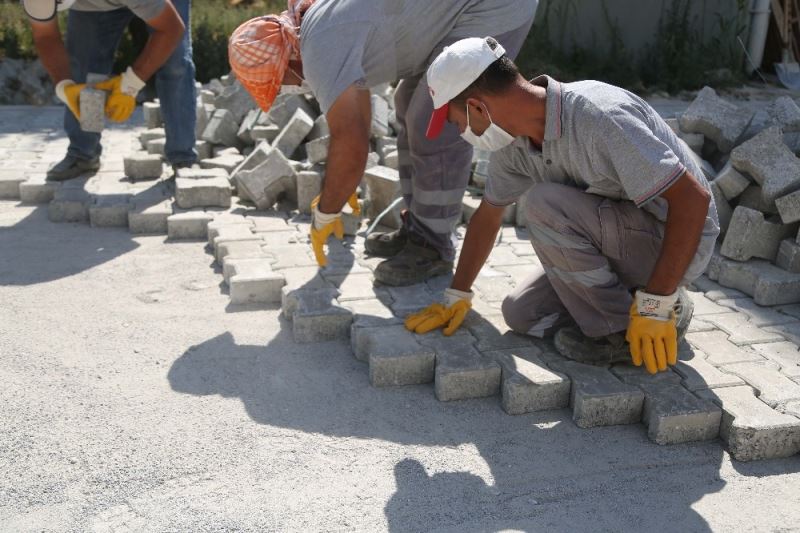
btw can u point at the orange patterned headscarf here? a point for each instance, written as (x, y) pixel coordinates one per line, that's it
(298, 8)
(259, 52)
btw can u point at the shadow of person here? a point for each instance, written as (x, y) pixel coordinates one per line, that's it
(535, 472)
(60, 250)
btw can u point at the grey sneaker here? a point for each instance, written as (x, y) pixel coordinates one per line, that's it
(71, 167)
(387, 244)
(573, 344)
(414, 264)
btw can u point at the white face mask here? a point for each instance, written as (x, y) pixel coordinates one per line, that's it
(493, 139)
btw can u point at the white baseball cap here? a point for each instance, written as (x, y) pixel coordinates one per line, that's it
(44, 10)
(454, 70)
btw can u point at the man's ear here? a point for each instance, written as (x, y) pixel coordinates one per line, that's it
(476, 107)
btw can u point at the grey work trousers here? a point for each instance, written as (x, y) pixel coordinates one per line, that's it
(434, 172)
(593, 251)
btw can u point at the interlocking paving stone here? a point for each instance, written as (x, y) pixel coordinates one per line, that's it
(671, 413)
(716, 292)
(771, 386)
(758, 315)
(371, 313)
(751, 235)
(740, 329)
(719, 120)
(211, 192)
(719, 350)
(291, 256)
(318, 318)
(792, 408)
(143, 166)
(700, 325)
(771, 163)
(239, 249)
(493, 288)
(69, 205)
(598, 398)
(188, 225)
(492, 332)
(731, 182)
(698, 374)
(463, 373)
(396, 358)
(785, 354)
(766, 283)
(10, 181)
(227, 162)
(289, 139)
(37, 190)
(790, 332)
(789, 256)
(92, 109)
(751, 429)
(704, 306)
(222, 128)
(356, 286)
(253, 281)
(110, 211)
(149, 216)
(528, 385)
(220, 222)
(383, 187)
(291, 296)
(410, 299)
(789, 207)
(505, 256)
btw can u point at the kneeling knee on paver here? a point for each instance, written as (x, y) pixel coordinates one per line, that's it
(514, 315)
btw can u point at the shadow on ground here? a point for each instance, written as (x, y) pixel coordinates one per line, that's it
(544, 468)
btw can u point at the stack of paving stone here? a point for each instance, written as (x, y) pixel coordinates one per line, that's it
(756, 187)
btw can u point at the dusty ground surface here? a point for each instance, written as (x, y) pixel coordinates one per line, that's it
(134, 397)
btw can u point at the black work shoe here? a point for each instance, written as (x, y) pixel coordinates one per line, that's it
(414, 264)
(71, 167)
(573, 344)
(387, 244)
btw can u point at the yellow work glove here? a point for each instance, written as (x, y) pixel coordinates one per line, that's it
(122, 100)
(354, 204)
(652, 334)
(449, 315)
(69, 92)
(323, 225)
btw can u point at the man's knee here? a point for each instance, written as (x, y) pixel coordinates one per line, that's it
(513, 314)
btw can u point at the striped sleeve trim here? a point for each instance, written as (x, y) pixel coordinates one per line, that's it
(661, 186)
(493, 204)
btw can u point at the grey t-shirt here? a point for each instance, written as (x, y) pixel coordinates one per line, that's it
(144, 9)
(378, 41)
(606, 141)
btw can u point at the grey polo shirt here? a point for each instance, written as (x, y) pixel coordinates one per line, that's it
(377, 41)
(605, 141)
(144, 9)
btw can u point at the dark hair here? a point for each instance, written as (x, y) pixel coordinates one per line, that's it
(497, 77)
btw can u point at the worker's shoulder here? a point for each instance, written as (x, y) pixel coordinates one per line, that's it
(598, 101)
(325, 15)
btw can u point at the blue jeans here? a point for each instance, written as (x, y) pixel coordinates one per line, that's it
(92, 39)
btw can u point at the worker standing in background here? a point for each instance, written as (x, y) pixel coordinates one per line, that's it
(94, 30)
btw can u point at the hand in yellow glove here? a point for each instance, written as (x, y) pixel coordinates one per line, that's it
(652, 334)
(69, 92)
(323, 225)
(354, 204)
(449, 315)
(122, 100)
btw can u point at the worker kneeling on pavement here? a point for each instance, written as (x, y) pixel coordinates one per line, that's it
(619, 213)
(339, 49)
(94, 29)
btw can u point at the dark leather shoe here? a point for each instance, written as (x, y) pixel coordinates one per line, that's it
(387, 244)
(71, 167)
(414, 264)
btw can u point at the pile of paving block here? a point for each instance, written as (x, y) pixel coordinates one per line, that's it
(756, 186)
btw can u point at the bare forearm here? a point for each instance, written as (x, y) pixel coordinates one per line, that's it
(157, 50)
(682, 235)
(347, 158)
(478, 243)
(54, 56)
